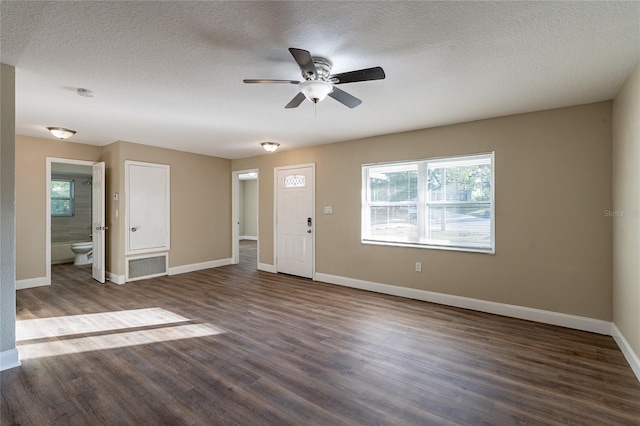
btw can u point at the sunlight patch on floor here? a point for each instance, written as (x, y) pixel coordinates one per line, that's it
(110, 329)
(115, 340)
(93, 323)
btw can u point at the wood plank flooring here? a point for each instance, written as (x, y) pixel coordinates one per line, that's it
(236, 346)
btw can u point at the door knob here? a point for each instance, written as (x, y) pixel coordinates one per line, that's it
(134, 229)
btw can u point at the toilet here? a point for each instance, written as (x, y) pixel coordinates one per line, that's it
(84, 252)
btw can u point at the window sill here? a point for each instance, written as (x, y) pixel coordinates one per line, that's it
(490, 251)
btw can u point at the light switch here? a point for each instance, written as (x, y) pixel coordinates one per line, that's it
(328, 209)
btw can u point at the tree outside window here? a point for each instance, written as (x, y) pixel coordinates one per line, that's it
(432, 203)
(62, 200)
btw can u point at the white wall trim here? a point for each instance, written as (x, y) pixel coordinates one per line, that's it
(32, 282)
(47, 212)
(199, 266)
(248, 237)
(626, 349)
(267, 268)
(116, 279)
(235, 213)
(514, 311)
(9, 359)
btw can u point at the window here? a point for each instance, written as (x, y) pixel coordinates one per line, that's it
(443, 203)
(294, 181)
(62, 197)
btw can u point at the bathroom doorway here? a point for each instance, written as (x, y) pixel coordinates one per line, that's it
(245, 218)
(75, 216)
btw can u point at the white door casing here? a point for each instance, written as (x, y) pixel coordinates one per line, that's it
(147, 201)
(98, 222)
(295, 220)
(236, 212)
(49, 164)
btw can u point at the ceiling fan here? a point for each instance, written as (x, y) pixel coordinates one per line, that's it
(318, 81)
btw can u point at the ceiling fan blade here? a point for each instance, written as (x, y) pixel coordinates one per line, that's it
(367, 74)
(304, 60)
(264, 81)
(296, 101)
(345, 98)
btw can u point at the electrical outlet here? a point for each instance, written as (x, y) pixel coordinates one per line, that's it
(418, 267)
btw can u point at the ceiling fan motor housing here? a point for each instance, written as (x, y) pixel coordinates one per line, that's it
(323, 69)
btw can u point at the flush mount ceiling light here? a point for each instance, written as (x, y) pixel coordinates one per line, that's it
(61, 133)
(270, 146)
(85, 92)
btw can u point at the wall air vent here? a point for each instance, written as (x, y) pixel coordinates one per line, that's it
(139, 268)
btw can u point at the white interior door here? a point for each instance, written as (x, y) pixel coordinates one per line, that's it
(148, 207)
(295, 221)
(98, 222)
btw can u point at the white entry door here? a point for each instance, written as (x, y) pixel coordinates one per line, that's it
(295, 221)
(98, 222)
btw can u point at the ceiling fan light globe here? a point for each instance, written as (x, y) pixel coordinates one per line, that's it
(316, 90)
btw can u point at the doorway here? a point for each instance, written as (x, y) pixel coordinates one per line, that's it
(75, 214)
(245, 246)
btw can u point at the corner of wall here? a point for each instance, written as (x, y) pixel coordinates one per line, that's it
(8, 352)
(626, 222)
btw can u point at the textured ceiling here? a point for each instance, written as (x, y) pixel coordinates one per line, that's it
(170, 74)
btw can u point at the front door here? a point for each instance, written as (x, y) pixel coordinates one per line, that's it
(295, 221)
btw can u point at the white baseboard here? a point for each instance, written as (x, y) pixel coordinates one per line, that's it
(116, 279)
(625, 347)
(514, 311)
(32, 282)
(62, 261)
(199, 266)
(267, 268)
(248, 237)
(9, 359)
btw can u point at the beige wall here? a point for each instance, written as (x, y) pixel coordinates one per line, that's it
(553, 184)
(200, 201)
(31, 194)
(200, 205)
(250, 208)
(626, 201)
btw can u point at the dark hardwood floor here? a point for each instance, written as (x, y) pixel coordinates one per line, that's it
(233, 345)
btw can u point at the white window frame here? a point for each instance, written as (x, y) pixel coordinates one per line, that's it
(71, 198)
(422, 204)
